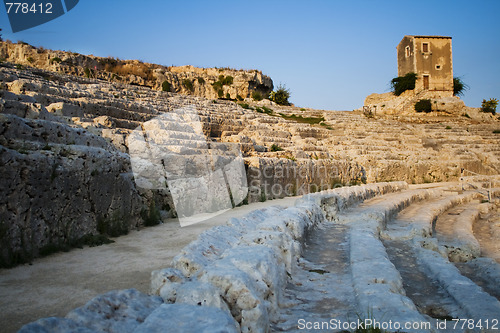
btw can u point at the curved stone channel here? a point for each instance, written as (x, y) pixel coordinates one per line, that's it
(429, 297)
(321, 287)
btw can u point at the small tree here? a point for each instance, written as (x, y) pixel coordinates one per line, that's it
(401, 84)
(281, 95)
(489, 106)
(459, 87)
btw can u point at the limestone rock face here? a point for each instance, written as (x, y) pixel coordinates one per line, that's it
(58, 183)
(187, 80)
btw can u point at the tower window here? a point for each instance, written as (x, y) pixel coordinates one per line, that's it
(425, 47)
(438, 67)
(407, 51)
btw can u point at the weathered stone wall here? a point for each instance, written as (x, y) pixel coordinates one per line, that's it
(58, 184)
(272, 178)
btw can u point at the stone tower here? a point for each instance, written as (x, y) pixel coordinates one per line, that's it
(431, 58)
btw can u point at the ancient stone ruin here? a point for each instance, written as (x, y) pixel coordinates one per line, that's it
(405, 203)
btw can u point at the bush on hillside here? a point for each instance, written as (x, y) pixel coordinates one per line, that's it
(401, 84)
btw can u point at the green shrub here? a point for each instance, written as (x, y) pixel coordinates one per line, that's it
(423, 105)
(152, 216)
(201, 80)
(401, 84)
(281, 95)
(497, 131)
(275, 147)
(166, 86)
(188, 84)
(220, 93)
(256, 96)
(226, 81)
(217, 85)
(267, 110)
(459, 87)
(30, 60)
(87, 72)
(55, 59)
(302, 109)
(19, 67)
(228, 96)
(244, 105)
(448, 127)
(239, 98)
(489, 106)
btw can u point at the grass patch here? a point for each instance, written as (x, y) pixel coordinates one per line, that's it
(113, 226)
(87, 240)
(92, 241)
(267, 110)
(245, 106)
(275, 148)
(319, 271)
(326, 125)
(53, 248)
(305, 120)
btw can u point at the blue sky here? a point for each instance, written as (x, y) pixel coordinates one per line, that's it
(330, 54)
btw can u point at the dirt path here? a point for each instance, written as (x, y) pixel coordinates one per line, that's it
(54, 285)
